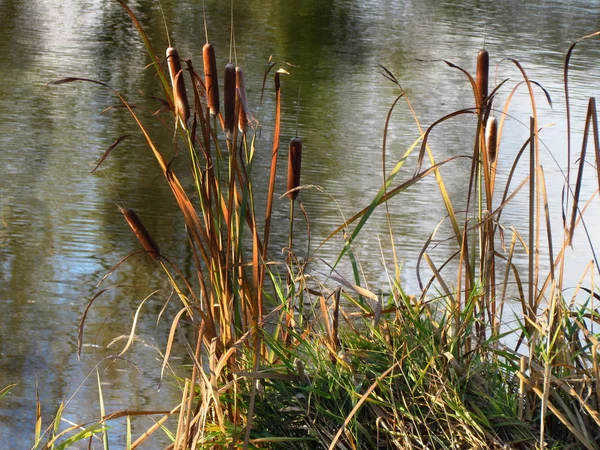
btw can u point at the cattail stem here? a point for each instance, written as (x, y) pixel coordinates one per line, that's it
(482, 78)
(291, 238)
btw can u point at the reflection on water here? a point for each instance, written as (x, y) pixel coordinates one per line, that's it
(60, 230)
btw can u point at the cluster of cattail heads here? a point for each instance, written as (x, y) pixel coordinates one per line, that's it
(234, 87)
(182, 108)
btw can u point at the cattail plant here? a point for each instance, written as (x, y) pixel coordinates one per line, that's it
(210, 78)
(483, 68)
(141, 232)
(240, 85)
(229, 98)
(182, 108)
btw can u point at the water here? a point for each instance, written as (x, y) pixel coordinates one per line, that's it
(60, 229)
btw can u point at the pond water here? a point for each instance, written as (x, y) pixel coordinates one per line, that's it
(61, 231)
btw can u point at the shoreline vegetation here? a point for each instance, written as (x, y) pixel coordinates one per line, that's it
(278, 359)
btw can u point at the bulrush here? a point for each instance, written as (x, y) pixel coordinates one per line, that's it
(491, 138)
(240, 85)
(294, 163)
(182, 107)
(141, 232)
(229, 98)
(210, 78)
(483, 69)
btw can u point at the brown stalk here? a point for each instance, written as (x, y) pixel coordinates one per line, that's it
(294, 164)
(141, 232)
(590, 120)
(532, 190)
(180, 101)
(274, 153)
(229, 98)
(210, 78)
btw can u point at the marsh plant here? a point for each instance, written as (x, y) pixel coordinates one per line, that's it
(279, 359)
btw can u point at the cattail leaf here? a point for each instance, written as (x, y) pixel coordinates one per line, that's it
(591, 120)
(108, 150)
(431, 127)
(467, 74)
(82, 321)
(149, 48)
(381, 198)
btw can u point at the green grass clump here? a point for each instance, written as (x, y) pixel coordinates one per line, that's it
(279, 360)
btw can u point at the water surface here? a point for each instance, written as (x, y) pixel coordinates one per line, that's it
(61, 231)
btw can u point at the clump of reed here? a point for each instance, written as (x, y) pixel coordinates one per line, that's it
(357, 369)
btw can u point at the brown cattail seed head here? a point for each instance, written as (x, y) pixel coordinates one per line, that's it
(210, 78)
(141, 232)
(240, 85)
(182, 108)
(483, 70)
(491, 138)
(229, 98)
(294, 163)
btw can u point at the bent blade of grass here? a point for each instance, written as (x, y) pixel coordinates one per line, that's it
(424, 145)
(6, 389)
(102, 411)
(380, 198)
(38, 415)
(133, 325)
(591, 119)
(89, 431)
(151, 52)
(359, 404)
(568, 104)
(108, 150)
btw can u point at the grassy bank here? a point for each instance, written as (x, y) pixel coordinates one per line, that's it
(280, 359)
